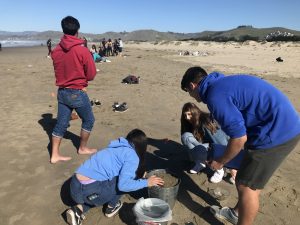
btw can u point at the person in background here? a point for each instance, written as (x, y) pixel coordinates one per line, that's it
(85, 44)
(74, 68)
(256, 116)
(106, 175)
(49, 45)
(109, 46)
(121, 45)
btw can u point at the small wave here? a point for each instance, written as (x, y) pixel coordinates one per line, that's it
(22, 43)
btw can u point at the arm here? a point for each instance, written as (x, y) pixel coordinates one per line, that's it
(235, 145)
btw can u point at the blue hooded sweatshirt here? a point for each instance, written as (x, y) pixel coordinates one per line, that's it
(118, 159)
(247, 105)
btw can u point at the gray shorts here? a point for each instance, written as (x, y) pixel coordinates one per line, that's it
(258, 166)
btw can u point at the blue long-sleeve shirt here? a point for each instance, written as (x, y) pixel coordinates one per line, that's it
(247, 105)
(118, 159)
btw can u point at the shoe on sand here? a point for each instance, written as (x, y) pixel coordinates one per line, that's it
(197, 168)
(74, 216)
(120, 108)
(224, 213)
(97, 102)
(109, 212)
(217, 177)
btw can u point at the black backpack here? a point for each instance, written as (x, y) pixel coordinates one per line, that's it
(131, 79)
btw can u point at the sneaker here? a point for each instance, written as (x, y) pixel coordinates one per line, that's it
(109, 212)
(97, 102)
(74, 216)
(224, 213)
(217, 177)
(197, 168)
(121, 108)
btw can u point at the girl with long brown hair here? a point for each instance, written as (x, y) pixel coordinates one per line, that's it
(198, 130)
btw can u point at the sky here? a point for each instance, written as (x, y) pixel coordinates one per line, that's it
(184, 16)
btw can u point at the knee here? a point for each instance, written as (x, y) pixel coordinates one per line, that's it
(185, 138)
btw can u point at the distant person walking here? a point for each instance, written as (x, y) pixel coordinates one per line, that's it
(73, 67)
(121, 45)
(49, 45)
(0, 47)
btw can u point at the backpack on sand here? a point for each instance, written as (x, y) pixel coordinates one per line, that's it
(131, 79)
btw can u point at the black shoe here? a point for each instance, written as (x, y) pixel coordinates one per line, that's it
(97, 102)
(74, 216)
(109, 212)
(121, 108)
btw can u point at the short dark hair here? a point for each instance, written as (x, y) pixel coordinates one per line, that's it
(193, 74)
(70, 25)
(138, 139)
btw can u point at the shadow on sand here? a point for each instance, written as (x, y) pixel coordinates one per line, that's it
(48, 123)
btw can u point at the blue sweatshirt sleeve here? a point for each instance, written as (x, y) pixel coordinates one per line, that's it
(228, 115)
(127, 181)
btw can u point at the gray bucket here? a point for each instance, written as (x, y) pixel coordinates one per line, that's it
(168, 194)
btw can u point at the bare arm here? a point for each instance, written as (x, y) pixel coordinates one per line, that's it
(235, 145)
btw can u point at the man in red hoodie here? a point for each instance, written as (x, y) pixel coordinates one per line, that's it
(73, 67)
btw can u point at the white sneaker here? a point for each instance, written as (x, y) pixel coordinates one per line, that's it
(218, 176)
(197, 168)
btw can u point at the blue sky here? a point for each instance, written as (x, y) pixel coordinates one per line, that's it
(161, 15)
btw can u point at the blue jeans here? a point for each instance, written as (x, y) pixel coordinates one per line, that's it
(197, 151)
(106, 192)
(69, 99)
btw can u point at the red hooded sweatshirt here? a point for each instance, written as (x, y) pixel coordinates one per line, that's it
(73, 64)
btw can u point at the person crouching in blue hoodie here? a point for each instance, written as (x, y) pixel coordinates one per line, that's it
(107, 174)
(255, 115)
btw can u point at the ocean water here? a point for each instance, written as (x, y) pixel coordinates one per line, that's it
(22, 43)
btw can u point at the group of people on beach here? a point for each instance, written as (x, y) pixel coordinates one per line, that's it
(249, 117)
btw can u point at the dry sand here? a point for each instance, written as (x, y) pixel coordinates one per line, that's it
(32, 191)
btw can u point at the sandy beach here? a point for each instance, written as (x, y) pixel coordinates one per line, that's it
(33, 192)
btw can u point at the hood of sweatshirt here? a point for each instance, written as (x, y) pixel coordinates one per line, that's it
(206, 83)
(121, 142)
(68, 41)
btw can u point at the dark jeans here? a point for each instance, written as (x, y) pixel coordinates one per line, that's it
(105, 192)
(69, 99)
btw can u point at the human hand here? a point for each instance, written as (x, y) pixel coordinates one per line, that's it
(154, 181)
(215, 165)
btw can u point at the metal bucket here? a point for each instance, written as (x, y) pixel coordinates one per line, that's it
(168, 194)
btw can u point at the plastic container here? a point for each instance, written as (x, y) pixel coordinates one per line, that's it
(152, 211)
(168, 194)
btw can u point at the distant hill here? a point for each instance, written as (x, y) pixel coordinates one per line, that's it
(244, 32)
(240, 33)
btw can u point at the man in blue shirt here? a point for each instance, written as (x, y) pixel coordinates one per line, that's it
(256, 116)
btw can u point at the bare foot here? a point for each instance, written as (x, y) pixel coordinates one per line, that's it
(86, 151)
(55, 159)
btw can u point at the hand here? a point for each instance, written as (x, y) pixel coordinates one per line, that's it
(215, 165)
(154, 181)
